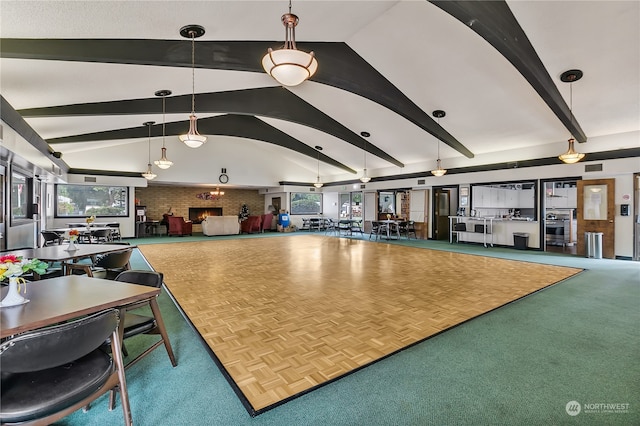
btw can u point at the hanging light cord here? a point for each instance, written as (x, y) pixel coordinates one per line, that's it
(193, 72)
(163, 111)
(365, 154)
(149, 144)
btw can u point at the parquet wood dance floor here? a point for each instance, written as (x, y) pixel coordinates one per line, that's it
(284, 315)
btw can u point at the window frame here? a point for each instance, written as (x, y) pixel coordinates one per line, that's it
(121, 188)
(27, 201)
(292, 211)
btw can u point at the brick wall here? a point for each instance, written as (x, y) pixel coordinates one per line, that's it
(158, 200)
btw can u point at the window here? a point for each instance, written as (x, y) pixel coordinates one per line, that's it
(86, 200)
(21, 197)
(304, 203)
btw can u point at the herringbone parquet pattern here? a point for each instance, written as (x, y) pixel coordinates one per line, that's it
(286, 314)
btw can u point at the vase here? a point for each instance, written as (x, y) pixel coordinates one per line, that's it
(13, 297)
(72, 246)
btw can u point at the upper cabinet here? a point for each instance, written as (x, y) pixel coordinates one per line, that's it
(503, 196)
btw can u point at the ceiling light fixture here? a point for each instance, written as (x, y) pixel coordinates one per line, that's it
(288, 65)
(149, 175)
(193, 139)
(365, 178)
(318, 184)
(439, 171)
(571, 156)
(163, 162)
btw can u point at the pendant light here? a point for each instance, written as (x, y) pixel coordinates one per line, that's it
(163, 162)
(149, 175)
(288, 65)
(439, 171)
(318, 184)
(365, 177)
(192, 138)
(571, 156)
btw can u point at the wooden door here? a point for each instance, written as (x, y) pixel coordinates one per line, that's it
(441, 211)
(596, 213)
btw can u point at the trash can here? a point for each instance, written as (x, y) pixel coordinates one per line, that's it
(520, 240)
(593, 244)
(588, 244)
(597, 245)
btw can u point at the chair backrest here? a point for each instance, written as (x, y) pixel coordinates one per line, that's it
(51, 238)
(118, 259)
(148, 278)
(57, 345)
(267, 218)
(101, 232)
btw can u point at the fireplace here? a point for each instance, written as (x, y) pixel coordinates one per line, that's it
(198, 214)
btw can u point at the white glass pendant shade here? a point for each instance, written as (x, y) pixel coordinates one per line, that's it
(571, 156)
(163, 162)
(149, 175)
(365, 177)
(289, 67)
(193, 139)
(318, 184)
(439, 171)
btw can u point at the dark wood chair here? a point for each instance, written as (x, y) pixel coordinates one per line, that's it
(136, 323)
(51, 238)
(106, 266)
(49, 373)
(101, 235)
(179, 226)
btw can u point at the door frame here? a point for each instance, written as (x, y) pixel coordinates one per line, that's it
(606, 226)
(454, 202)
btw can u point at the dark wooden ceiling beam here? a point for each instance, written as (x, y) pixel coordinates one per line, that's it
(274, 102)
(341, 66)
(241, 126)
(494, 21)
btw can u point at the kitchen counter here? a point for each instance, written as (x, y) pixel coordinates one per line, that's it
(498, 230)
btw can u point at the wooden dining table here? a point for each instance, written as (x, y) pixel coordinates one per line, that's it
(55, 300)
(60, 253)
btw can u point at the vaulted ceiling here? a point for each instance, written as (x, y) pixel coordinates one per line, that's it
(83, 74)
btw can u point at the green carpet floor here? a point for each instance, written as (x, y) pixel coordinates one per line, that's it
(521, 364)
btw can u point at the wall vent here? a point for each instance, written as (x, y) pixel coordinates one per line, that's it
(363, 186)
(421, 181)
(91, 179)
(593, 167)
(312, 189)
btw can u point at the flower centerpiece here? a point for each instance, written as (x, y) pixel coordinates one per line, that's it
(388, 216)
(12, 267)
(72, 235)
(90, 220)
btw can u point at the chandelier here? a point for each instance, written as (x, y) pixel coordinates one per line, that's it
(318, 183)
(211, 195)
(163, 162)
(149, 175)
(288, 65)
(439, 171)
(192, 138)
(571, 156)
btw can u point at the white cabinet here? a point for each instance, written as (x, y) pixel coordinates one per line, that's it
(512, 198)
(572, 198)
(480, 196)
(525, 199)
